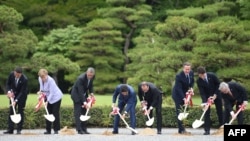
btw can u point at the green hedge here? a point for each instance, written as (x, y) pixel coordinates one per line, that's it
(100, 117)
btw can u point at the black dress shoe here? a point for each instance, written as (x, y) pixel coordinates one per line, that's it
(55, 132)
(133, 133)
(114, 132)
(8, 132)
(18, 132)
(86, 132)
(206, 133)
(47, 133)
(185, 132)
(80, 132)
(159, 132)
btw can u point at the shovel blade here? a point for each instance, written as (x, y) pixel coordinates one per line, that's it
(197, 123)
(50, 118)
(182, 116)
(84, 118)
(16, 118)
(150, 122)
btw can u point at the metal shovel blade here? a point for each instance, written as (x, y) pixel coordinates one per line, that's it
(182, 116)
(16, 118)
(197, 123)
(50, 117)
(150, 122)
(84, 118)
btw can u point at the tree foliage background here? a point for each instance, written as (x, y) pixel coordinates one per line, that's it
(127, 41)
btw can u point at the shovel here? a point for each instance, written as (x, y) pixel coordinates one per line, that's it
(236, 114)
(85, 117)
(16, 118)
(150, 120)
(127, 126)
(184, 115)
(197, 123)
(49, 117)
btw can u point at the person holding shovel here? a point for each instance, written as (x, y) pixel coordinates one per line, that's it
(233, 94)
(184, 82)
(150, 95)
(126, 97)
(53, 98)
(17, 87)
(208, 84)
(79, 95)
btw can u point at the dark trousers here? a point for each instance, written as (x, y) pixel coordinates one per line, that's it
(55, 110)
(239, 117)
(158, 114)
(207, 120)
(178, 108)
(20, 105)
(121, 106)
(219, 110)
(78, 111)
(158, 118)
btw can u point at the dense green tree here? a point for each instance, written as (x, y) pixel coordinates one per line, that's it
(55, 54)
(159, 55)
(223, 47)
(44, 15)
(206, 13)
(128, 16)
(16, 45)
(244, 9)
(101, 48)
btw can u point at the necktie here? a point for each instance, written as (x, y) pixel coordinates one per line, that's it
(188, 78)
(16, 81)
(206, 80)
(88, 83)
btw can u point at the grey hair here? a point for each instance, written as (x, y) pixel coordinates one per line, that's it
(90, 69)
(223, 85)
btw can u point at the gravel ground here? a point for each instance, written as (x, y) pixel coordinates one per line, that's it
(104, 134)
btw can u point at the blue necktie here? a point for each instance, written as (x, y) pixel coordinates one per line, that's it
(188, 78)
(16, 82)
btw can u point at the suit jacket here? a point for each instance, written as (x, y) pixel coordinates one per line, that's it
(80, 89)
(129, 99)
(152, 96)
(210, 88)
(182, 85)
(21, 90)
(239, 95)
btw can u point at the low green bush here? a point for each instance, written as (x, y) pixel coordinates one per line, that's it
(101, 118)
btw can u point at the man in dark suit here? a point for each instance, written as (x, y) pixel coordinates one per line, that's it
(233, 94)
(17, 87)
(184, 81)
(79, 94)
(150, 94)
(126, 96)
(208, 84)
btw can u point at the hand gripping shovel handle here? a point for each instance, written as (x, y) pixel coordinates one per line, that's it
(236, 114)
(208, 104)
